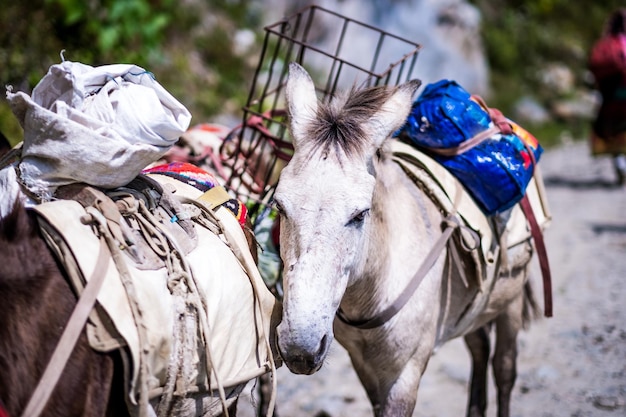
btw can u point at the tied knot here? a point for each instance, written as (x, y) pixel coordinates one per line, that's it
(470, 239)
(127, 205)
(177, 282)
(450, 222)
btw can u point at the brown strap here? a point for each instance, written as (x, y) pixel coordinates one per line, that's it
(496, 115)
(468, 144)
(450, 224)
(72, 332)
(89, 196)
(282, 149)
(501, 125)
(14, 154)
(537, 235)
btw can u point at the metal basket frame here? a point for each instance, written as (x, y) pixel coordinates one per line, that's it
(263, 132)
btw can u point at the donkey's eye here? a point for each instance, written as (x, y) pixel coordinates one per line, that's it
(278, 208)
(357, 219)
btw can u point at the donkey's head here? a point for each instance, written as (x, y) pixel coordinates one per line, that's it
(324, 196)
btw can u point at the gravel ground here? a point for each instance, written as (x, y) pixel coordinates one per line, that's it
(570, 365)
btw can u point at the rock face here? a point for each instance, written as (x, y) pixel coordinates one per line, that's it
(449, 32)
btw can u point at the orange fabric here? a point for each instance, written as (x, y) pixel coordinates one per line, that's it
(614, 145)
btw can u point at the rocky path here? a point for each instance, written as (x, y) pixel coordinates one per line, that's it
(571, 365)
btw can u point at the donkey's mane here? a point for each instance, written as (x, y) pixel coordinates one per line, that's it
(340, 122)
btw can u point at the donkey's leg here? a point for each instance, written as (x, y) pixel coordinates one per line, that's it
(479, 346)
(265, 392)
(401, 396)
(391, 394)
(508, 325)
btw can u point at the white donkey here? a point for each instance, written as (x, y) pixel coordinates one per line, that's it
(358, 238)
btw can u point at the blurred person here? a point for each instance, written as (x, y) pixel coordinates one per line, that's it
(607, 63)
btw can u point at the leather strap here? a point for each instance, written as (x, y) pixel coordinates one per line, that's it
(72, 332)
(215, 197)
(496, 115)
(537, 235)
(281, 148)
(450, 224)
(14, 154)
(501, 125)
(468, 144)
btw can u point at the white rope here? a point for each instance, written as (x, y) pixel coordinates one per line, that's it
(182, 283)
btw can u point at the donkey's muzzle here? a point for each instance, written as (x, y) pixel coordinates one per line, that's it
(303, 361)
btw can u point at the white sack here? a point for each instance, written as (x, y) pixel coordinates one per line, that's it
(99, 125)
(9, 190)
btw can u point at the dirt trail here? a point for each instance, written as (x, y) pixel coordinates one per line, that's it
(571, 365)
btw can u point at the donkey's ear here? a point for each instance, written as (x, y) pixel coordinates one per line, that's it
(301, 100)
(394, 112)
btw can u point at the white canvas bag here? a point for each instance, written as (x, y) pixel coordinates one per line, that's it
(97, 125)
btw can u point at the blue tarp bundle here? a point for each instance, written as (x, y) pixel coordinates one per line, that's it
(495, 171)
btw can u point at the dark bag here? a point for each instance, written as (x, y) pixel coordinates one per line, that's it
(492, 156)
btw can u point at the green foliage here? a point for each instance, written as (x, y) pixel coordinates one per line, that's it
(9, 125)
(108, 26)
(522, 37)
(187, 45)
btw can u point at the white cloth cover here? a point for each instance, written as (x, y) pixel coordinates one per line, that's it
(9, 190)
(98, 125)
(238, 312)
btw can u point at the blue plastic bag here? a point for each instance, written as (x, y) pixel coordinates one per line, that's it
(497, 170)
(444, 116)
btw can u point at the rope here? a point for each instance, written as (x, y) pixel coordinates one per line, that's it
(248, 265)
(181, 282)
(126, 278)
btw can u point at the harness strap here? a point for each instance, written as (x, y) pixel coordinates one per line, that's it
(501, 125)
(537, 235)
(238, 156)
(281, 148)
(450, 223)
(249, 265)
(103, 213)
(468, 144)
(497, 117)
(11, 156)
(72, 332)
(126, 279)
(215, 197)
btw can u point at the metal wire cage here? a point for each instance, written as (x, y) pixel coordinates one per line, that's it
(338, 52)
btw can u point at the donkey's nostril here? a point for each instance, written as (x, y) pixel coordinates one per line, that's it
(323, 346)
